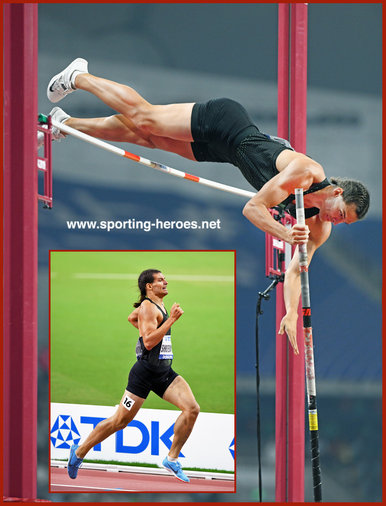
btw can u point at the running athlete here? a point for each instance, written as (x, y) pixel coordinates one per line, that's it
(151, 372)
(221, 130)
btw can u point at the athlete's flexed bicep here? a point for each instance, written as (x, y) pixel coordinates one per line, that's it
(149, 319)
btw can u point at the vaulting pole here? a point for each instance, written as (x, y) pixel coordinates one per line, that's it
(309, 354)
(20, 251)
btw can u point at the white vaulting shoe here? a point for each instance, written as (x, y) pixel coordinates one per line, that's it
(63, 83)
(61, 117)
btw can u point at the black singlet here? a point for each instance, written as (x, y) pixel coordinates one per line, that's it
(161, 355)
(289, 206)
(223, 132)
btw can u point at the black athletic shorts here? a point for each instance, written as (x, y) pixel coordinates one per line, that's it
(223, 132)
(143, 378)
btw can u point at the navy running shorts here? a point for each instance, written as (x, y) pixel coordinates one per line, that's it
(143, 379)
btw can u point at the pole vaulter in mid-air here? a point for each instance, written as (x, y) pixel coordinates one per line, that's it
(221, 130)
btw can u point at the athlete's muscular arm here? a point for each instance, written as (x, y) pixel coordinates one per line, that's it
(319, 233)
(299, 173)
(133, 317)
(148, 323)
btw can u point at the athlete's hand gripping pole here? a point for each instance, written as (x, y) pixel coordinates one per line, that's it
(309, 353)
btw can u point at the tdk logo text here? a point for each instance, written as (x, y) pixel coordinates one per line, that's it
(148, 436)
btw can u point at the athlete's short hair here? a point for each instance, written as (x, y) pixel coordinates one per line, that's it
(354, 192)
(144, 278)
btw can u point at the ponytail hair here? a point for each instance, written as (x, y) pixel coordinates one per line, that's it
(144, 278)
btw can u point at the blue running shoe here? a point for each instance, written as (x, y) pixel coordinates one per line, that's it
(175, 468)
(73, 463)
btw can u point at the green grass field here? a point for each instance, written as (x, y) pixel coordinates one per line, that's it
(93, 345)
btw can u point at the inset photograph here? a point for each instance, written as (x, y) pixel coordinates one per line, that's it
(142, 371)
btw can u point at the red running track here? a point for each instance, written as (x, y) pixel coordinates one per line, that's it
(106, 481)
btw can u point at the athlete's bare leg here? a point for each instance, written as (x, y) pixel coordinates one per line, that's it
(118, 128)
(172, 121)
(105, 428)
(180, 394)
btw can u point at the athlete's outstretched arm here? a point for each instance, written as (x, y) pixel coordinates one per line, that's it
(148, 323)
(319, 233)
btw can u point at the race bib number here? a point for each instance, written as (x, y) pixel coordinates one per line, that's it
(166, 352)
(128, 403)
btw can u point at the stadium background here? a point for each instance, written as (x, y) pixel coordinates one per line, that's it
(196, 52)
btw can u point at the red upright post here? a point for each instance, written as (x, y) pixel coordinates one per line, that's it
(281, 407)
(296, 364)
(20, 251)
(283, 71)
(298, 119)
(290, 379)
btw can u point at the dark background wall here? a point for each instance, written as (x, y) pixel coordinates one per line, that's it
(345, 40)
